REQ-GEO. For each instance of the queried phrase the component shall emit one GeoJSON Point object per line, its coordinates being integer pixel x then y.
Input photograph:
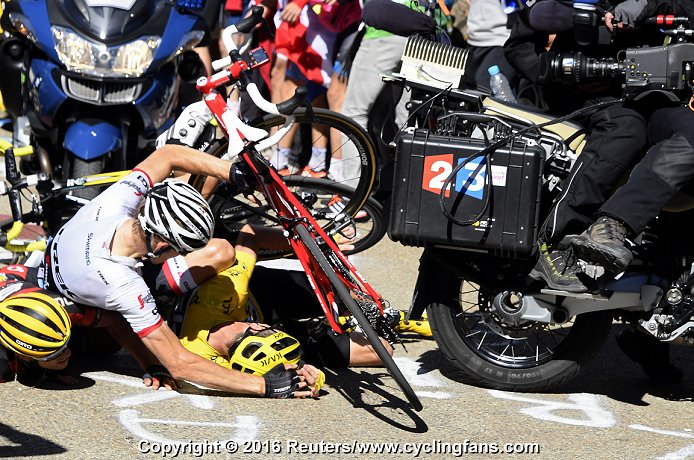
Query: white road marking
{"type": "Point", "coordinates": [685, 452]}
{"type": "Point", "coordinates": [148, 395]}
{"type": "Point", "coordinates": [246, 427]}
{"type": "Point", "coordinates": [411, 370]}
{"type": "Point", "coordinates": [584, 403]}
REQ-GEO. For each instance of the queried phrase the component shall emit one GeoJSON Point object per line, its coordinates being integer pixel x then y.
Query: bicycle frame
{"type": "Point", "coordinates": [288, 208]}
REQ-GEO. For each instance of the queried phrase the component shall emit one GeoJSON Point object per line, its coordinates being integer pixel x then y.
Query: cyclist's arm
{"type": "Point", "coordinates": [162, 162]}
{"type": "Point", "coordinates": [253, 237]}
{"type": "Point", "coordinates": [185, 365]}
{"type": "Point", "coordinates": [182, 364]}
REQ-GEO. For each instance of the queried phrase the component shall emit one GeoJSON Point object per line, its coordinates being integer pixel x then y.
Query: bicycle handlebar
{"type": "Point", "coordinates": [290, 105]}
{"type": "Point", "coordinates": [244, 26]}
{"type": "Point", "coordinates": [248, 23]}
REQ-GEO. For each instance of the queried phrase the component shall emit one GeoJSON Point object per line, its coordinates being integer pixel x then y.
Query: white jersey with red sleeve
{"type": "Point", "coordinates": [82, 268]}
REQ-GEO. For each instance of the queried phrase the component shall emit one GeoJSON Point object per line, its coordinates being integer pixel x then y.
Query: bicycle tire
{"type": "Point", "coordinates": [367, 221]}
{"type": "Point", "coordinates": [343, 294]}
{"type": "Point", "coordinates": [363, 182]}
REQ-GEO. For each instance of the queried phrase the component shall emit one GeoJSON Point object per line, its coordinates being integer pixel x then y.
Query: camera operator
{"type": "Point", "coordinates": [666, 167]}
{"type": "Point", "coordinates": [616, 134]}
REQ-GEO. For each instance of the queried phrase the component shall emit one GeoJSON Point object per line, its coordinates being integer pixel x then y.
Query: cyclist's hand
{"type": "Point", "coordinates": [314, 377]}
{"type": "Point", "coordinates": [292, 382]}
{"type": "Point", "coordinates": [188, 127]}
{"type": "Point", "coordinates": [158, 376]}
{"type": "Point", "coordinates": [241, 179]}
{"type": "Point", "coordinates": [290, 13]}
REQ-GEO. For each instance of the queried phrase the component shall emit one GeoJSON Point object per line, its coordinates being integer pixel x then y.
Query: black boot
{"type": "Point", "coordinates": [603, 244]}
{"type": "Point", "coordinates": [559, 270]}
{"type": "Point", "coordinates": [652, 354]}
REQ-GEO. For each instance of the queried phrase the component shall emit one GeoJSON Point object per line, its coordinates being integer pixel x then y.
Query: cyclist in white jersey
{"type": "Point", "coordinates": [96, 257]}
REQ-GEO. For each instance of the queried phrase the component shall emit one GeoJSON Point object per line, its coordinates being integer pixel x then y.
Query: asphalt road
{"type": "Point", "coordinates": [610, 410]}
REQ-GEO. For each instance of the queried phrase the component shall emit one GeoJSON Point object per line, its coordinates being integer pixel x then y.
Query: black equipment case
{"type": "Point", "coordinates": [509, 225]}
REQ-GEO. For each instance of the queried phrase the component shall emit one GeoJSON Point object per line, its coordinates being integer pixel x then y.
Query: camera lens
{"type": "Point", "coordinates": [573, 68]}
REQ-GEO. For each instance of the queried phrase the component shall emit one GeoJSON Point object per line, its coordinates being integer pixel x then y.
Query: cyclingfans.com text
{"type": "Point", "coordinates": [291, 446]}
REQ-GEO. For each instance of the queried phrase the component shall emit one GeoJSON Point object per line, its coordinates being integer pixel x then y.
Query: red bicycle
{"type": "Point", "coordinates": [338, 285]}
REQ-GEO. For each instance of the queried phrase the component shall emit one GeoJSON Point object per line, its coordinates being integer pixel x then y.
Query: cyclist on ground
{"type": "Point", "coordinates": [221, 311]}
{"type": "Point", "coordinates": [36, 326]}
{"type": "Point", "coordinates": [95, 259]}
{"type": "Point", "coordinates": [34, 334]}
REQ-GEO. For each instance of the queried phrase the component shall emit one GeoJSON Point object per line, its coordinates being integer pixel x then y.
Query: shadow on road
{"type": "Point", "coordinates": [368, 391]}
{"type": "Point", "coordinates": [26, 444]}
{"type": "Point", "coordinates": [610, 373]}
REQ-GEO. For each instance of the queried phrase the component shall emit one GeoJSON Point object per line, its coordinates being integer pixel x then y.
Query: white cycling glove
{"type": "Point", "coordinates": [187, 127]}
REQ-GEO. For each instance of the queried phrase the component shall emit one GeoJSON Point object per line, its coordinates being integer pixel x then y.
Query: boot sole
{"type": "Point", "coordinates": [537, 275]}
{"type": "Point", "coordinates": [594, 254]}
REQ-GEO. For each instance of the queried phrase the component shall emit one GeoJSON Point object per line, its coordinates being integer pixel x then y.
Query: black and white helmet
{"type": "Point", "coordinates": [178, 214]}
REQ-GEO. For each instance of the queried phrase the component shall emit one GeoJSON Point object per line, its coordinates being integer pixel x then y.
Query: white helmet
{"type": "Point", "coordinates": [178, 214]}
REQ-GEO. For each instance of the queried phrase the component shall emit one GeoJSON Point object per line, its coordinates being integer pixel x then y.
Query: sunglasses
{"type": "Point", "coordinates": [55, 354]}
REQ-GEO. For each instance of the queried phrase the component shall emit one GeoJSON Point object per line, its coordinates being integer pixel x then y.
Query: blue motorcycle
{"type": "Point", "coordinates": [92, 83]}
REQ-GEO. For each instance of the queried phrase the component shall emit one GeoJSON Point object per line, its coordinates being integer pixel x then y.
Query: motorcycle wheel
{"type": "Point", "coordinates": [81, 168]}
{"type": "Point", "coordinates": [528, 357]}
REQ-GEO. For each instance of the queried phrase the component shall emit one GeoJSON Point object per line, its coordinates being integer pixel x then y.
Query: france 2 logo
{"type": "Point", "coordinates": [438, 167]}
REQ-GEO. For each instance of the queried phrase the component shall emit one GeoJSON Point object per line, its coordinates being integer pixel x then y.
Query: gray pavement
{"type": "Point", "coordinates": [609, 411]}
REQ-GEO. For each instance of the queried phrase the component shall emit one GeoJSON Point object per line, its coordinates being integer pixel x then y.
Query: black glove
{"type": "Point", "coordinates": [281, 383]}
{"type": "Point", "coordinates": [157, 372]}
{"type": "Point", "coordinates": [241, 179]}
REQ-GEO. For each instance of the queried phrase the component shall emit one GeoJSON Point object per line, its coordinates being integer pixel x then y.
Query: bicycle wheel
{"type": "Point", "coordinates": [327, 201]}
{"type": "Point", "coordinates": [346, 290]}
{"type": "Point", "coordinates": [350, 154]}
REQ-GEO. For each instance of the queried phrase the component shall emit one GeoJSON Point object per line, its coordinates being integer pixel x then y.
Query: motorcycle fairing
{"type": "Point", "coordinates": [156, 105]}
{"type": "Point", "coordinates": [108, 25]}
{"type": "Point", "coordinates": [37, 13]}
{"type": "Point", "coordinates": [171, 38]}
{"type": "Point", "coordinates": [89, 140]}
{"type": "Point", "coordinates": [45, 92]}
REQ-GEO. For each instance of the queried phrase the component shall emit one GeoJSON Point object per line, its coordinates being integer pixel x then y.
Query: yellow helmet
{"type": "Point", "coordinates": [257, 352]}
{"type": "Point", "coordinates": [34, 325]}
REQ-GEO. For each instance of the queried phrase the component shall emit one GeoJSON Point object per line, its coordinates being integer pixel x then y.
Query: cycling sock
{"type": "Point", "coordinates": [317, 161]}
{"type": "Point", "coordinates": [336, 171]}
{"type": "Point", "coordinates": [280, 159]}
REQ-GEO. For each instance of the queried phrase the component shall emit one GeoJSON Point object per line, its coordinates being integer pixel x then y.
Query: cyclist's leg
{"type": "Point", "coordinates": [291, 302]}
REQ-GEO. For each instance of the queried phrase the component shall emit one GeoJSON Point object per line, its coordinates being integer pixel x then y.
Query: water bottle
{"type": "Point", "coordinates": [501, 89]}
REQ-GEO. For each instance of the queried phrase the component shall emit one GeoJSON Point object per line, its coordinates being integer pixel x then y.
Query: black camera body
{"type": "Point", "coordinates": [668, 69]}
{"type": "Point", "coordinates": [660, 68]}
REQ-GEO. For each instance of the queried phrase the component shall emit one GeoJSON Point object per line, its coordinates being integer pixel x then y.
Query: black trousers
{"type": "Point", "coordinates": [667, 167]}
{"type": "Point", "coordinates": [616, 141]}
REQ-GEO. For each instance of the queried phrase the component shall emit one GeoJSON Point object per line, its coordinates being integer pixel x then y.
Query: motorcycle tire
{"type": "Point", "coordinates": [490, 354]}
{"type": "Point", "coordinates": [81, 168]}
